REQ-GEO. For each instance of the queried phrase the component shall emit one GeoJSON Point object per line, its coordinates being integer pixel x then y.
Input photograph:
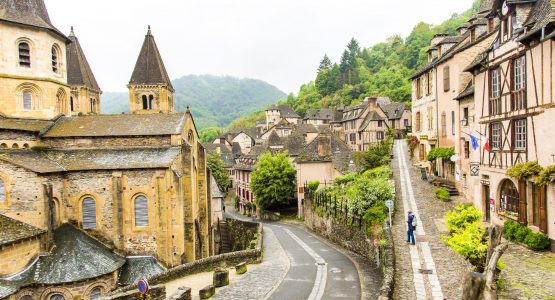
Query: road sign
{"type": "Point", "coordinates": [389, 203]}
{"type": "Point", "coordinates": [142, 285]}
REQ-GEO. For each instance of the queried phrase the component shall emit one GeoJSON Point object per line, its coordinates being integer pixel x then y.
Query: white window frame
{"type": "Point", "coordinates": [496, 135]}
{"type": "Point", "coordinates": [520, 134]}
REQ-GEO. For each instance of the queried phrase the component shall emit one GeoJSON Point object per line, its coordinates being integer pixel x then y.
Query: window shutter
{"type": "Point", "coordinates": [2, 191]}
{"type": "Point", "coordinates": [543, 209]}
{"type": "Point", "coordinates": [522, 202]}
{"type": "Point", "coordinates": [141, 211]}
{"type": "Point", "coordinates": [89, 213]}
{"type": "Point", "coordinates": [446, 85]}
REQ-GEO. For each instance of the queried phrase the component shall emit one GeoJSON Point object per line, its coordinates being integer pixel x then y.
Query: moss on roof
{"type": "Point", "coordinates": [12, 230]}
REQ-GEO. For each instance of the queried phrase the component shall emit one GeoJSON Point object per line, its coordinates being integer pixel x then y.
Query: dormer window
{"type": "Point", "coordinates": [24, 55]}
{"type": "Point", "coordinates": [514, 24]}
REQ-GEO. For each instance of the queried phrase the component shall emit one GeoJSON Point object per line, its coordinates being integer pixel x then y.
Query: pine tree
{"type": "Point", "coordinates": [325, 63]}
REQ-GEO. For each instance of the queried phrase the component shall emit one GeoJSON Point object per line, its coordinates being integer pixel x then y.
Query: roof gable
{"type": "Point", "coordinates": [149, 68]}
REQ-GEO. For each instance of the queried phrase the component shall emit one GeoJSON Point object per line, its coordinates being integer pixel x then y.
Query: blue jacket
{"type": "Point", "coordinates": [409, 221]}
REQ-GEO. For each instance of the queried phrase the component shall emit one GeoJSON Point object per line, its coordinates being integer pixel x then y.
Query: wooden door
{"type": "Point", "coordinates": [522, 202]}
{"type": "Point", "coordinates": [543, 209]}
{"type": "Point", "coordinates": [485, 197]}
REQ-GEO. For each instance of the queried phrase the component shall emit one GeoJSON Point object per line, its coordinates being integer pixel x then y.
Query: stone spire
{"type": "Point", "coordinates": [78, 69]}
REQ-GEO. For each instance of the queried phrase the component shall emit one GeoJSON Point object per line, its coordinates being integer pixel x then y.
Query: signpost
{"type": "Point", "coordinates": [142, 286]}
{"type": "Point", "coordinates": [389, 204]}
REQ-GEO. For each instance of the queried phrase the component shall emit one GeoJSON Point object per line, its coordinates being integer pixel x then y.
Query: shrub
{"type": "Point", "coordinates": [376, 214]}
{"type": "Point", "coordinates": [521, 233]}
{"type": "Point", "coordinates": [440, 153]}
{"type": "Point", "coordinates": [546, 176]}
{"type": "Point", "coordinates": [463, 215]}
{"type": "Point", "coordinates": [524, 170]}
{"type": "Point", "coordinates": [413, 144]}
{"type": "Point", "coordinates": [509, 229]}
{"type": "Point", "coordinates": [536, 241]}
{"type": "Point", "coordinates": [442, 194]}
{"type": "Point", "coordinates": [383, 172]}
{"type": "Point", "coordinates": [469, 242]}
{"type": "Point", "coordinates": [313, 185]}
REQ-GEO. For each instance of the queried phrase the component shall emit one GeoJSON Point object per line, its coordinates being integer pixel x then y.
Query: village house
{"type": "Point", "coordinates": [275, 113]}
{"type": "Point", "coordinates": [320, 116]}
{"type": "Point", "coordinates": [78, 187]}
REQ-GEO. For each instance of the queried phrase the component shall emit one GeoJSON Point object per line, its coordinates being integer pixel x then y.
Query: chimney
{"type": "Point", "coordinates": [372, 101]}
{"type": "Point", "coordinates": [437, 38]}
{"type": "Point", "coordinates": [324, 145]}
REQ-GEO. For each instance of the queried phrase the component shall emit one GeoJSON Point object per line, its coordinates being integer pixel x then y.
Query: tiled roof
{"type": "Point", "coordinates": [305, 128]}
{"type": "Point", "coordinates": [215, 191]}
{"type": "Point", "coordinates": [24, 124]}
{"type": "Point", "coordinates": [118, 125]}
{"type": "Point", "coordinates": [371, 116]}
{"type": "Point", "coordinates": [468, 91]}
{"type": "Point", "coordinates": [423, 69]}
{"type": "Point", "coordinates": [478, 60]}
{"type": "Point", "coordinates": [137, 267]}
{"type": "Point", "coordinates": [75, 257]}
{"type": "Point", "coordinates": [319, 114]}
{"type": "Point", "coordinates": [341, 155]}
{"type": "Point", "coordinates": [13, 230]}
{"type": "Point", "coordinates": [78, 69]}
{"type": "Point", "coordinates": [540, 16]}
{"type": "Point", "coordinates": [486, 6]}
{"type": "Point", "coordinates": [450, 40]}
{"type": "Point", "coordinates": [149, 68]}
{"type": "Point", "coordinates": [287, 112]}
{"type": "Point", "coordinates": [27, 12]}
{"type": "Point", "coordinates": [394, 110]}
{"type": "Point", "coordinates": [54, 161]}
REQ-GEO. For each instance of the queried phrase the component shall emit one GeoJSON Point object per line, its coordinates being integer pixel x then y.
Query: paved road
{"type": "Point", "coordinates": [317, 271]}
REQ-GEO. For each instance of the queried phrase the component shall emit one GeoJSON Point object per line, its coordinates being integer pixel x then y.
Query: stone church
{"type": "Point", "coordinates": [89, 201]}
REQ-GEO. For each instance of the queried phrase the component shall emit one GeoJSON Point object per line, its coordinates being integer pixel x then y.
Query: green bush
{"type": "Point", "coordinates": [546, 176]}
{"type": "Point", "coordinates": [313, 185]}
{"type": "Point", "coordinates": [509, 229]}
{"type": "Point", "coordinates": [524, 170]}
{"type": "Point", "coordinates": [376, 214]}
{"type": "Point", "coordinates": [440, 153]}
{"type": "Point", "coordinates": [383, 172]}
{"type": "Point", "coordinates": [521, 233]}
{"type": "Point", "coordinates": [536, 241]}
{"type": "Point", "coordinates": [442, 194]}
{"type": "Point", "coordinates": [463, 215]}
{"type": "Point", "coordinates": [469, 242]}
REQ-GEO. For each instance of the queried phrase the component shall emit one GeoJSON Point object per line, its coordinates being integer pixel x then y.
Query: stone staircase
{"type": "Point", "coordinates": [448, 185]}
{"type": "Point", "coordinates": [225, 245]}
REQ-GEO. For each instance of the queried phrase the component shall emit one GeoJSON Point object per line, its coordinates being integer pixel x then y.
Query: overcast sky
{"type": "Point", "coordinates": [279, 41]}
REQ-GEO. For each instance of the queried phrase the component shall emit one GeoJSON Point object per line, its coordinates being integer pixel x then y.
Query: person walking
{"type": "Point", "coordinates": [411, 226]}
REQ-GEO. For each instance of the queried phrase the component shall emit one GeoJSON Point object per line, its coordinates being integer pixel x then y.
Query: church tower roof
{"type": "Point", "coordinates": [27, 12]}
{"type": "Point", "coordinates": [78, 69]}
{"type": "Point", "coordinates": [149, 68]}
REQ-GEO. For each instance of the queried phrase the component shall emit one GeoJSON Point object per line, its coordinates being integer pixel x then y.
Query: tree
{"type": "Point", "coordinates": [273, 180]}
{"type": "Point", "coordinates": [208, 135]}
{"type": "Point", "coordinates": [325, 63]}
{"type": "Point", "coordinates": [217, 167]}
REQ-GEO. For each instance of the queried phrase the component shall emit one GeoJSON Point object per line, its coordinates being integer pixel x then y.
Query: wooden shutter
{"type": "Point", "coordinates": [522, 202]}
{"type": "Point", "coordinates": [141, 211]}
{"type": "Point", "coordinates": [446, 81]}
{"type": "Point", "coordinates": [89, 213]}
{"type": "Point", "coordinates": [543, 209]}
{"type": "Point", "coordinates": [2, 191]}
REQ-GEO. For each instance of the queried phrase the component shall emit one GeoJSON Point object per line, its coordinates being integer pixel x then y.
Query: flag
{"type": "Point", "coordinates": [486, 146]}
{"type": "Point", "coordinates": [475, 144]}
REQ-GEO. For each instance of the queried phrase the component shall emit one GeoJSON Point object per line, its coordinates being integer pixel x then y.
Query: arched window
{"type": "Point", "coordinates": [92, 102]}
{"type": "Point", "coordinates": [150, 102]}
{"type": "Point", "coordinates": [71, 107]}
{"type": "Point", "coordinates": [15, 146]}
{"type": "Point", "coordinates": [57, 297]}
{"type": "Point", "coordinates": [89, 213]}
{"type": "Point", "coordinates": [509, 196]}
{"type": "Point", "coordinates": [3, 145]}
{"type": "Point", "coordinates": [24, 54]}
{"type": "Point", "coordinates": [145, 102]}
{"type": "Point", "coordinates": [55, 55]}
{"type": "Point", "coordinates": [27, 100]}
{"type": "Point", "coordinates": [59, 103]}
{"type": "Point", "coordinates": [26, 146]}
{"type": "Point", "coordinates": [26, 297]}
{"type": "Point", "coordinates": [95, 294]}
{"type": "Point", "coordinates": [2, 191]}
{"type": "Point", "coordinates": [141, 211]}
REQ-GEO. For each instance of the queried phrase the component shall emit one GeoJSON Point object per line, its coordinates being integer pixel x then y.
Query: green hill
{"type": "Point", "coordinates": [215, 101]}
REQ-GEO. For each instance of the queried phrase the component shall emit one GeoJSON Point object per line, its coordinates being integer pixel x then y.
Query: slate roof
{"type": "Point", "coordinates": [14, 230]}
{"type": "Point", "coordinates": [225, 153]}
{"type": "Point", "coordinates": [319, 114]}
{"type": "Point", "coordinates": [137, 267]}
{"type": "Point", "coordinates": [541, 15]}
{"type": "Point", "coordinates": [215, 191]}
{"type": "Point", "coordinates": [24, 124]}
{"type": "Point", "coordinates": [306, 128]}
{"type": "Point", "coordinates": [285, 110]}
{"type": "Point", "coordinates": [78, 69]}
{"type": "Point", "coordinates": [54, 161]}
{"type": "Point", "coordinates": [149, 68]}
{"type": "Point", "coordinates": [341, 155]}
{"type": "Point", "coordinates": [450, 40]}
{"type": "Point", "coordinates": [371, 116]}
{"type": "Point", "coordinates": [394, 110]}
{"type": "Point", "coordinates": [478, 60]}
{"type": "Point", "coordinates": [118, 125]}
{"type": "Point", "coordinates": [27, 12]}
{"type": "Point", "coordinates": [75, 257]}
{"type": "Point", "coordinates": [468, 91]}
{"type": "Point", "coordinates": [423, 69]}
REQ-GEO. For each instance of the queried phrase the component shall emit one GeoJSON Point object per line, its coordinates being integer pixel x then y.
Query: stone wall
{"type": "Point", "coordinates": [154, 293]}
{"type": "Point", "coordinates": [17, 255]}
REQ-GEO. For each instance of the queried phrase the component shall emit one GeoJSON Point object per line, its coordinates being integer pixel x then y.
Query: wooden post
{"type": "Point", "coordinates": [474, 284]}
{"type": "Point", "coordinates": [490, 291]}
{"type": "Point", "coordinates": [495, 234]}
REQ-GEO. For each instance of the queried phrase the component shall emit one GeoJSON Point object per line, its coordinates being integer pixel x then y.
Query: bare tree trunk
{"type": "Point", "coordinates": [495, 233]}
{"type": "Point", "coordinates": [490, 292]}
{"type": "Point", "coordinates": [474, 283]}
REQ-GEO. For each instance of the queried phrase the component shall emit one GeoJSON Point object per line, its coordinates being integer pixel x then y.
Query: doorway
{"type": "Point", "coordinates": [485, 201]}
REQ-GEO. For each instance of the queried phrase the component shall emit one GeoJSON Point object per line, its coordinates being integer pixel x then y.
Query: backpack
{"type": "Point", "coordinates": [414, 222]}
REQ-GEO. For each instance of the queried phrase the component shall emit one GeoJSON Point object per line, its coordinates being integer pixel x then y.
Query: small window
{"type": "Point", "coordinates": [57, 297]}
{"type": "Point", "coordinates": [2, 191]}
{"type": "Point", "coordinates": [380, 135]}
{"type": "Point", "coordinates": [496, 135]}
{"type": "Point", "coordinates": [141, 211]}
{"type": "Point", "coordinates": [465, 116]}
{"type": "Point", "coordinates": [24, 55]}
{"type": "Point", "coordinates": [54, 59]}
{"type": "Point", "coordinates": [145, 102]}
{"type": "Point", "coordinates": [520, 134]}
{"type": "Point", "coordinates": [446, 81]}
{"type": "Point", "coordinates": [495, 93]}
{"type": "Point", "coordinates": [95, 294]}
{"type": "Point", "coordinates": [89, 213]}
{"type": "Point", "coordinates": [453, 122]}
{"type": "Point", "coordinates": [443, 124]}
{"type": "Point", "coordinates": [71, 106]}
{"type": "Point", "coordinates": [27, 100]}
{"type": "Point", "coordinates": [418, 88]}
{"type": "Point", "coordinates": [150, 102]}
{"type": "Point", "coordinates": [466, 149]}
{"type": "Point", "coordinates": [417, 123]}
{"type": "Point", "coordinates": [379, 123]}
